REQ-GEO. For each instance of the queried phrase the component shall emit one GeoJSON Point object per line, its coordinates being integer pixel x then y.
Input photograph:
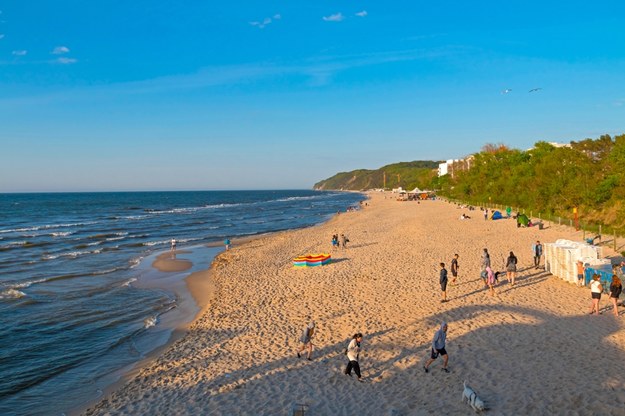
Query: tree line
{"type": "Point", "coordinates": [588, 175]}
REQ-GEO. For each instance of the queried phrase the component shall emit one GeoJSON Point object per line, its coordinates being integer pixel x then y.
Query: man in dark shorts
{"type": "Point", "coordinates": [454, 269]}
{"type": "Point", "coordinates": [438, 348]}
{"type": "Point", "coordinates": [443, 282]}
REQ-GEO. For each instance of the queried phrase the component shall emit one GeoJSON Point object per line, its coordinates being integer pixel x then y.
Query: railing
{"type": "Point", "coordinates": [594, 230]}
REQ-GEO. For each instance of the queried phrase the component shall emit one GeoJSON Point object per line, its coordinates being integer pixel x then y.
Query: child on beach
{"type": "Point", "coordinates": [335, 241]}
{"type": "Point", "coordinates": [353, 352]}
{"type": "Point", "coordinates": [595, 290]}
{"type": "Point", "coordinates": [306, 340]}
{"type": "Point", "coordinates": [490, 278]}
{"type": "Point", "coordinates": [438, 348]}
{"type": "Point", "coordinates": [580, 273]}
{"type": "Point", "coordinates": [443, 282]}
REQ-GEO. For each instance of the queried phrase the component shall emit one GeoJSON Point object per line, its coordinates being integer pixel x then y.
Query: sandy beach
{"type": "Point", "coordinates": [530, 349]}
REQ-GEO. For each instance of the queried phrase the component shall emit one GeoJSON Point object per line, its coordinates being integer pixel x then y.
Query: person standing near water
{"type": "Point", "coordinates": [173, 244]}
{"type": "Point", "coordinates": [227, 243]}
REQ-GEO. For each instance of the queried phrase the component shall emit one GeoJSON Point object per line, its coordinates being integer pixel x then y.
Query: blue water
{"type": "Point", "coordinates": [73, 309]}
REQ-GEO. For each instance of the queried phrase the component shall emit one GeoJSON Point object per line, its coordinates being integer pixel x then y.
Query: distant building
{"type": "Point", "coordinates": [452, 166]}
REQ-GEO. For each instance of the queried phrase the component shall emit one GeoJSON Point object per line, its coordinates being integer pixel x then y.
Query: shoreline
{"type": "Point", "coordinates": [193, 292]}
{"type": "Point", "coordinates": [390, 268]}
{"type": "Point", "coordinates": [200, 287]}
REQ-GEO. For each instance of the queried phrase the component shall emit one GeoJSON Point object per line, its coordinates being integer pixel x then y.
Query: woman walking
{"type": "Point", "coordinates": [353, 351]}
{"type": "Point", "coordinates": [615, 291]}
{"type": "Point", "coordinates": [511, 268]}
{"type": "Point", "coordinates": [595, 290]}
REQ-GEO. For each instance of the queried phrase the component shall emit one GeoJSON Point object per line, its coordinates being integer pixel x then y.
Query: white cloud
{"type": "Point", "coordinates": [334, 17]}
{"type": "Point", "coordinates": [362, 13]}
{"type": "Point", "coordinates": [19, 53]}
{"type": "Point", "coordinates": [64, 60]}
{"type": "Point", "coordinates": [266, 21]}
{"type": "Point", "coordinates": [60, 50]}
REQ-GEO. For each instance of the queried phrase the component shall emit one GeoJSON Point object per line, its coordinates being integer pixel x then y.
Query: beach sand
{"type": "Point", "coordinates": [531, 349]}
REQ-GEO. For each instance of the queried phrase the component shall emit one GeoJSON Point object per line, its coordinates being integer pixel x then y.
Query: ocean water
{"type": "Point", "coordinates": [78, 298]}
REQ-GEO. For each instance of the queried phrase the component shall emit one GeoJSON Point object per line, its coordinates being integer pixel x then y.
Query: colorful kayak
{"type": "Point", "coordinates": [311, 260]}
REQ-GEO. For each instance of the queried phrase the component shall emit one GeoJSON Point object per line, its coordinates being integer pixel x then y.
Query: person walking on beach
{"type": "Point", "coordinates": [227, 244]}
{"type": "Point", "coordinates": [537, 249]}
{"type": "Point", "coordinates": [353, 353]}
{"type": "Point", "coordinates": [443, 282]}
{"type": "Point", "coordinates": [438, 348]}
{"type": "Point", "coordinates": [173, 244]}
{"type": "Point", "coordinates": [615, 291]}
{"type": "Point", "coordinates": [306, 340]}
{"type": "Point", "coordinates": [454, 269]}
{"type": "Point", "coordinates": [484, 265]}
{"type": "Point", "coordinates": [490, 280]}
{"type": "Point", "coordinates": [595, 290]}
{"type": "Point", "coordinates": [344, 241]}
{"type": "Point", "coordinates": [511, 268]}
{"type": "Point", "coordinates": [580, 273]}
{"type": "Point", "coordinates": [485, 214]}
{"type": "Point", "coordinates": [335, 241]}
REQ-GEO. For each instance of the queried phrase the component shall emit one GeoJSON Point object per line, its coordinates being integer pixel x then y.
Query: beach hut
{"type": "Point", "coordinates": [561, 258]}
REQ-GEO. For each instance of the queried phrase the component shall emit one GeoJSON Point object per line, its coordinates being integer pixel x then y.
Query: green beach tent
{"type": "Point", "coordinates": [523, 220]}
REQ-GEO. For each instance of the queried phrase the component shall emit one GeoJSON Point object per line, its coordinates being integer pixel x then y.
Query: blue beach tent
{"type": "Point", "coordinates": [497, 215]}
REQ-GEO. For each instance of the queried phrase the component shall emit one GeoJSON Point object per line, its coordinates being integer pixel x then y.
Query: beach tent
{"type": "Point", "coordinates": [496, 215]}
{"type": "Point", "coordinates": [523, 220]}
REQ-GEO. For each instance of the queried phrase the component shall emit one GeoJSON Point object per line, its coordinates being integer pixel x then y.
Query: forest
{"type": "Point", "coordinates": [588, 175]}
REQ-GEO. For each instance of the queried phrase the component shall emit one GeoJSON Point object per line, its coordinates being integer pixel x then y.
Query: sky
{"type": "Point", "coordinates": [117, 95]}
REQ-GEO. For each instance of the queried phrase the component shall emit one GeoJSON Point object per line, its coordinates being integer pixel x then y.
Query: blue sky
{"type": "Point", "coordinates": [165, 95]}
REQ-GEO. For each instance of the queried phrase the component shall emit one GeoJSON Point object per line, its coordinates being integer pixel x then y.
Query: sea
{"type": "Point", "coordinates": [80, 304]}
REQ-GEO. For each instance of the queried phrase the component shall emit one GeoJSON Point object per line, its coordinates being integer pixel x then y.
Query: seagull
{"type": "Point", "coordinates": [535, 89]}
{"type": "Point", "coordinates": [507, 90]}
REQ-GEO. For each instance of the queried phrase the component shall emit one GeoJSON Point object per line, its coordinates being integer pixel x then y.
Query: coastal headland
{"type": "Point", "coordinates": [529, 349]}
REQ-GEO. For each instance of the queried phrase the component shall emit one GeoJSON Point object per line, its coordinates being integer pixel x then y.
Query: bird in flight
{"type": "Point", "coordinates": [507, 90]}
{"type": "Point", "coordinates": [535, 89]}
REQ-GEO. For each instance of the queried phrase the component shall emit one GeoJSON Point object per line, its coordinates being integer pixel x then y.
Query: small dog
{"type": "Point", "coordinates": [475, 402]}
